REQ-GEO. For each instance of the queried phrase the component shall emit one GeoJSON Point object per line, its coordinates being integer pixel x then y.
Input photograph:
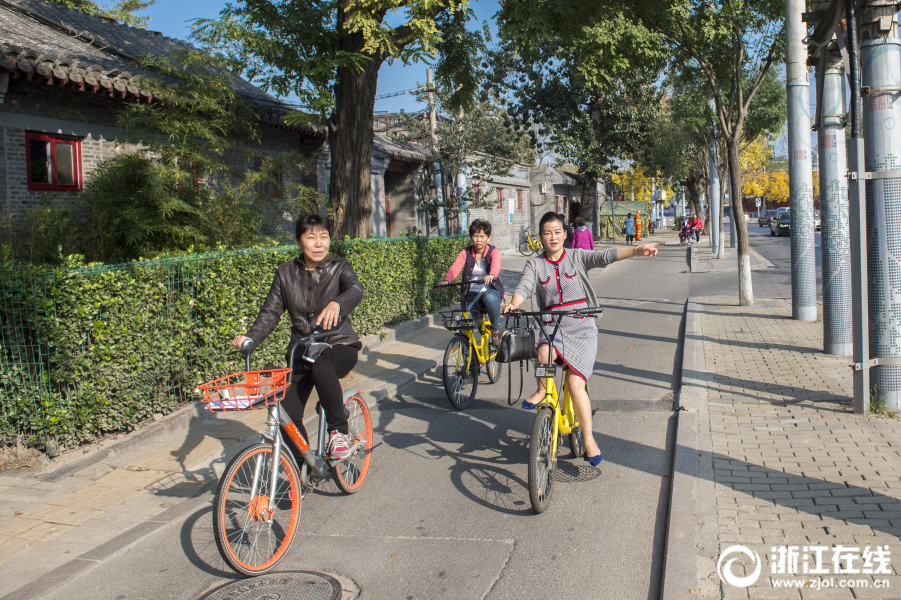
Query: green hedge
{"type": "Point", "coordinates": [605, 230]}
{"type": "Point", "coordinates": [88, 351]}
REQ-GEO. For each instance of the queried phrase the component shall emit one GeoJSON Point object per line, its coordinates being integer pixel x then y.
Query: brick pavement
{"type": "Point", "coordinates": [792, 465]}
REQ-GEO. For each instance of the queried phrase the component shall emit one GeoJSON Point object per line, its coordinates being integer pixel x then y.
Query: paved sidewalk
{"type": "Point", "coordinates": [53, 527]}
{"type": "Point", "coordinates": [771, 455]}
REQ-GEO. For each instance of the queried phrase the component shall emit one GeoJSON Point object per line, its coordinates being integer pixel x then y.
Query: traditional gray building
{"type": "Point", "coordinates": [63, 77]}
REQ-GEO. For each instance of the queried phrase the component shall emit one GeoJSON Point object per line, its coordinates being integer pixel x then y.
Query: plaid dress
{"type": "Point", "coordinates": [576, 341]}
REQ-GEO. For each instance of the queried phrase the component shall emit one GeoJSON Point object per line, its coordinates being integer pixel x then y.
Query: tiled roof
{"type": "Point", "coordinates": [403, 151]}
{"type": "Point", "coordinates": [69, 48]}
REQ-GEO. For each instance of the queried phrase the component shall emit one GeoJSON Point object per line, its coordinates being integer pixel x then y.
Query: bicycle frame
{"type": "Point", "coordinates": [279, 419]}
{"type": "Point", "coordinates": [482, 348]}
{"type": "Point", "coordinates": [564, 417]}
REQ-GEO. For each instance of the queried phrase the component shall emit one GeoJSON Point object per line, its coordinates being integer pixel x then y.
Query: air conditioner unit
{"type": "Point", "coordinates": [542, 188]}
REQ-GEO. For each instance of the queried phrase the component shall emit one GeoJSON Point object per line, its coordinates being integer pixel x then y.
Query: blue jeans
{"type": "Point", "coordinates": [492, 301]}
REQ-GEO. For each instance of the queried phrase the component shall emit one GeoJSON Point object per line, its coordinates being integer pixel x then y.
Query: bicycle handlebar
{"type": "Point", "coordinates": [582, 312]}
{"type": "Point", "coordinates": [249, 345]}
{"type": "Point", "coordinates": [460, 284]}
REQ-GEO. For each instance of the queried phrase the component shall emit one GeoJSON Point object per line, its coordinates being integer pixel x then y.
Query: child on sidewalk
{"type": "Point", "coordinates": [481, 261]}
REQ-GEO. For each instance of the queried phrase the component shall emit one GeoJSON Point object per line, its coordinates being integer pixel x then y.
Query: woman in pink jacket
{"type": "Point", "coordinates": [582, 238]}
{"type": "Point", "coordinates": [481, 261]}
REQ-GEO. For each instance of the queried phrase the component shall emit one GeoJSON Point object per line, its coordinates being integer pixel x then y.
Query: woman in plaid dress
{"type": "Point", "coordinates": [558, 279]}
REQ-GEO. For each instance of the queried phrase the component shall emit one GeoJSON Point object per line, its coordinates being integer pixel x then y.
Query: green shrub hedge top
{"type": "Point", "coordinates": [90, 351]}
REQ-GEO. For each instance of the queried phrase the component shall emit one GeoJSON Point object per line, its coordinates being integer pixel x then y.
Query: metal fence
{"type": "Point", "coordinates": [29, 310]}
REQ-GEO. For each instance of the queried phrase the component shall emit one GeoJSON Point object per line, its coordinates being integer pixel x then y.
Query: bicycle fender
{"type": "Point", "coordinates": [348, 394]}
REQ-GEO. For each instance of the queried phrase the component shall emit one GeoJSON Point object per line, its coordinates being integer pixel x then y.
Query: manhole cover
{"type": "Point", "coordinates": [570, 473]}
{"type": "Point", "coordinates": [288, 585]}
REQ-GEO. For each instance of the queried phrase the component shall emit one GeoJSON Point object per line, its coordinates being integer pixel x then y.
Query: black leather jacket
{"type": "Point", "coordinates": [305, 294]}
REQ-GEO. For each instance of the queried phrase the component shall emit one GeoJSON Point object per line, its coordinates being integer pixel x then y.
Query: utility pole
{"type": "Point", "coordinates": [800, 173]}
{"type": "Point", "coordinates": [835, 245]}
{"type": "Point", "coordinates": [714, 202]}
{"type": "Point", "coordinates": [858, 216]}
{"type": "Point", "coordinates": [433, 124]}
{"type": "Point", "coordinates": [881, 77]}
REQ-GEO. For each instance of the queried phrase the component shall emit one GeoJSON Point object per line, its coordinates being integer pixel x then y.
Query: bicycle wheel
{"type": "Point", "coordinates": [494, 369]}
{"type": "Point", "coordinates": [542, 460]}
{"type": "Point", "coordinates": [577, 442]}
{"type": "Point", "coordinates": [251, 538]}
{"type": "Point", "coordinates": [460, 385]}
{"type": "Point", "coordinates": [525, 248]}
{"type": "Point", "coordinates": [351, 472]}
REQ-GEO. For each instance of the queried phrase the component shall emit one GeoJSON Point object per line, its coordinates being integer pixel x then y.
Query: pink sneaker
{"type": "Point", "coordinates": [338, 445]}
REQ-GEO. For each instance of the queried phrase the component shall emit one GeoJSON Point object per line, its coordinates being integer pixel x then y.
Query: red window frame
{"type": "Point", "coordinates": [265, 189]}
{"type": "Point", "coordinates": [475, 192]}
{"type": "Point", "coordinates": [500, 198]}
{"type": "Point", "coordinates": [54, 139]}
{"type": "Point", "coordinates": [518, 199]}
{"type": "Point", "coordinates": [556, 204]}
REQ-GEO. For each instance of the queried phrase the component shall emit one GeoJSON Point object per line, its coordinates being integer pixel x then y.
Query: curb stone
{"type": "Point", "coordinates": [691, 540]}
{"type": "Point", "coordinates": [728, 264]}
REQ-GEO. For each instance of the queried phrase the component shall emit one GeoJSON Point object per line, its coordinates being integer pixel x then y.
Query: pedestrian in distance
{"type": "Point", "coordinates": [318, 290]}
{"type": "Point", "coordinates": [629, 227]}
{"type": "Point", "coordinates": [582, 238]}
{"type": "Point", "coordinates": [558, 278]}
{"type": "Point", "coordinates": [697, 225]}
{"type": "Point", "coordinates": [481, 260]}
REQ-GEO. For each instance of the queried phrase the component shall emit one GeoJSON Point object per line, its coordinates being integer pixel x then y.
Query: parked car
{"type": "Point", "coordinates": [780, 224]}
{"type": "Point", "coordinates": [816, 223]}
{"type": "Point", "coordinates": [764, 218]}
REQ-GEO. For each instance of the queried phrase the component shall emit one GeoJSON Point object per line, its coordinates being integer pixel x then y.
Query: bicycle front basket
{"type": "Point", "coordinates": [247, 390]}
{"type": "Point", "coordinates": [459, 320]}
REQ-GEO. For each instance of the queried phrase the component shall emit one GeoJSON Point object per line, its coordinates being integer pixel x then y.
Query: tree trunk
{"type": "Point", "coordinates": [691, 184]}
{"type": "Point", "coordinates": [350, 143]}
{"type": "Point", "coordinates": [745, 288]}
{"type": "Point", "coordinates": [589, 197]}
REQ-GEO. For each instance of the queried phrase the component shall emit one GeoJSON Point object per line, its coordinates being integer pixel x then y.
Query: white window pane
{"type": "Point", "coordinates": [65, 164]}
{"type": "Point", "coordinates": [39, 161]}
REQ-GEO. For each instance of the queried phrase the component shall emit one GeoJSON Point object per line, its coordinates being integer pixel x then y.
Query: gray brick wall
{"type": "Point", "coordinates": [93, 112]}
{"type": "Point", "coordinates": [504, 234]}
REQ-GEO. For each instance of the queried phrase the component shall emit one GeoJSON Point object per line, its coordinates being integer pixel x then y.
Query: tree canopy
{"type": "Point", "coordinates": [328, 54]}
{"type": "Point", "coordinates": [123, 10]}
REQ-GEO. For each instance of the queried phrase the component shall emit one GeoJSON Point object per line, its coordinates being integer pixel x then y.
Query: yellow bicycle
{"type": "Point", "coordinates": [554, 419]}
{"type": "Point", "coordinates": [465, 354]}
{"type": "Point", "coordinates": [529, 245]}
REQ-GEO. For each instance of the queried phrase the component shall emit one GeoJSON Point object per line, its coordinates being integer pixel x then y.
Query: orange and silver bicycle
{"type": "Point", "coordinates": [257, 504]}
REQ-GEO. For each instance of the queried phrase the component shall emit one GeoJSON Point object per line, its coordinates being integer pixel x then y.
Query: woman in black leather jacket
{"type": "Point", "coordinates": [316, 289]}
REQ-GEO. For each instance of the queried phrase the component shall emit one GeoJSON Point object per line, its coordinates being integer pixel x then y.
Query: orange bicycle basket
{"type": "Point", "coordinates": [247, 390]}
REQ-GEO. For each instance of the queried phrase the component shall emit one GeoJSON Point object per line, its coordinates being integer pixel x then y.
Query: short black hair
{"type": "Point", "coordinates": [630, 215]}
{"type": "Point", "coordinates": [547, 218]}
{"type": "Point", "coordinates": [483, 225]}
{"type": "Point", "coordinates": [307, 222]}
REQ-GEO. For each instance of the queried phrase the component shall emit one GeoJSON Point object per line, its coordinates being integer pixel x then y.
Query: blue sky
{"type": "Point", "coordinates": [171, 18]}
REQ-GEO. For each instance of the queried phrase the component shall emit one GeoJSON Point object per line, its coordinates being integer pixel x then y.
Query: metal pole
{"type": "Point", "coordinates": [881, 73]}
{"type": "Point", "coordinates": [800, 174]}
{"type": "Point", "coordinates": [461, 195]}
{"type": "Point", "coordinates": [858, 217]}
{"type": "Point", "coordinates": [714, 191]}
{"type": "Point", "coordinates": [433, 125]}
{"type": "Point", "coordinates": [835, 244]}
